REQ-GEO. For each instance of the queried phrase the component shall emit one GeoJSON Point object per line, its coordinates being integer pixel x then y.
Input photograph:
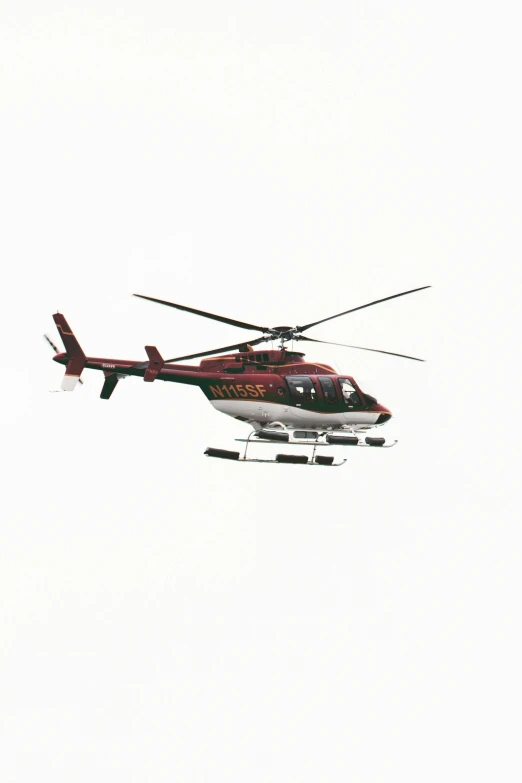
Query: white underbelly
{"type": "Point", "coordinates": [262, 413]}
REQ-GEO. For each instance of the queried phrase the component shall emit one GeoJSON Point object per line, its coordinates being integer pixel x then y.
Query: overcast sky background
{"type": "Point", "coordinates": [169, 617]}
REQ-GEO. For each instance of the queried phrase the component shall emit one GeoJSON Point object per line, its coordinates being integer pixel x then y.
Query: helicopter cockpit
{"type": "Point", "coordinates": [304, 390]}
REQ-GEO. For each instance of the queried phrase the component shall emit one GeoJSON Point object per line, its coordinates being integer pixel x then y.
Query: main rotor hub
{"type": "Point", "coordinates": [284, 332]}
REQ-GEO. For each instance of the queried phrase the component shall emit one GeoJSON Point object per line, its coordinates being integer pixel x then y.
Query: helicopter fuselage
{"type": "Point", "coordinates": [258, 388]}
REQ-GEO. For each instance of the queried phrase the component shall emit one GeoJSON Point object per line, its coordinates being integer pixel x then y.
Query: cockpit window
{"type": "Point", "coordinates": [301, 387]}
{"type": "Point", "coordinates": [350, 396]}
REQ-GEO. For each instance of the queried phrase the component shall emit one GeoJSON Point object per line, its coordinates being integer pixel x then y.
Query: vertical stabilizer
{"type": "Point", "coordinates": [75, 355]}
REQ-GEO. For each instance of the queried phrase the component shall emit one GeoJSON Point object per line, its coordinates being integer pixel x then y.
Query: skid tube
{"type": "Point", "coordinates": [281, 459]}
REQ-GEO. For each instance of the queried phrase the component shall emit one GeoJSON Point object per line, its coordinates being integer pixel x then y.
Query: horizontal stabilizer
{"type": "Point", "coordinates": [155, 365]}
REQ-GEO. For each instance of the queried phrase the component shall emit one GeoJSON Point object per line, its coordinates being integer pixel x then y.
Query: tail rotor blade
{"type": "Point", "coordinates": [53, 346]}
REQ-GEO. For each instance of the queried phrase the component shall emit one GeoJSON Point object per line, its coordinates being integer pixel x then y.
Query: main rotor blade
{"type": "Point", "coordinates": [231, 321]}
{"type": "Point", "coordinates": [359, 348]}
{"type": "Point", "coordinates": [238, 346]}
{"type": "Point", "coordinates": [361, 307]}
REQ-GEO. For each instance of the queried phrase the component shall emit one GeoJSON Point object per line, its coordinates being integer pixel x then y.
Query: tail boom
{"type": "Point", "coordinates": [115, 369]}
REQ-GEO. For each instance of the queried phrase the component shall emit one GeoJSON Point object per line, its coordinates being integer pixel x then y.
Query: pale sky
{"type": "Point", "coordinates": [166, 617]}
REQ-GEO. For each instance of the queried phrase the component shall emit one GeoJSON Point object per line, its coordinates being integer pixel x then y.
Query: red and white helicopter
{"type": "Point", "coordinates": [284, 398]}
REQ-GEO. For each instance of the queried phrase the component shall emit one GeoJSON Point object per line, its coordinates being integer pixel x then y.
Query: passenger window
{"type": "Point", "coordinates": [328, 387]}
{"type": "Point", "coordinates": [350, 396]}
{"type": "Point", "coordinates": [301, 388]}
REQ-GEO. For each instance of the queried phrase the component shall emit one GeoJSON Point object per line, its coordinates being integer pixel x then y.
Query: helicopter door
{"type": "Point", "coordinates": [328, 388]}
{"type": "Point", "coordinates": [303, 394]}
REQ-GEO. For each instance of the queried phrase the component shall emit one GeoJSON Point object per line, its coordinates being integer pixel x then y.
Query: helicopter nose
{"type": "Point", "coordinates": [384, 413]}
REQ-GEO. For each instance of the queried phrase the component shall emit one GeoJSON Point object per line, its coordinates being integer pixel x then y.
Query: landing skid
{"type": "Point", "coordinates": [281, 459]}
{"type": "Point", "coordinates": [314, 439]}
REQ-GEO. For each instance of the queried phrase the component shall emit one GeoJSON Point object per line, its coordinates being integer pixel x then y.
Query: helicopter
{"type": "Point", "coordinates": [284, 398]}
